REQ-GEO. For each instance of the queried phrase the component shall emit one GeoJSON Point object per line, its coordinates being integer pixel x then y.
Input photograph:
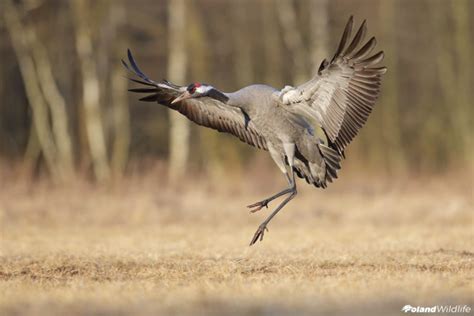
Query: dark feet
{"type": "Point", "coordinates": [258, 206]}
{"type": "Point", "coordinates": [259, 234]}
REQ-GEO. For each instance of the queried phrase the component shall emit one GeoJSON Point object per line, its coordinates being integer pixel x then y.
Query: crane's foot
{"type": "Point", "coordinates": [259, 234]}
{"type": "Point", "coordinates": [258, 206]}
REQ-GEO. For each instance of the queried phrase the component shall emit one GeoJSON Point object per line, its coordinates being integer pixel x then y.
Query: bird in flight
{"type": "Point", "coordinates": [304, 128]}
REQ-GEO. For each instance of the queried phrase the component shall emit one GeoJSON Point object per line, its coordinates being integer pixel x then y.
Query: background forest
{"type": "Point", "coordinates": [65, 108]}
{"type": "Point", "coordinates": [111, 206]}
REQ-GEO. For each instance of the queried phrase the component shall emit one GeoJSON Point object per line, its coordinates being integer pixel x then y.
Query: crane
{"type": "Point", "coordinates": [305, 128]}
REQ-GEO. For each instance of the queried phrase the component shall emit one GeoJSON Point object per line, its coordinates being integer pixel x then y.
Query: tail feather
{"type": "Point", "coordinates": [321, 168]}
{"type": "Point", "coordinates": [331, 163]}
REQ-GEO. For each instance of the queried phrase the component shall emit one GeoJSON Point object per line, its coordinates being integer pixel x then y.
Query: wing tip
{"type": "Point", "coordinates": [345, 36]}
{"type": "Point", "coordinates": [150, 98]}
{"type": "Point", "coordinates": [350, 23]}
{"type": "Point", "coordinates": [357, 39]}
{"type": "Point", "coordinates": [130, 57]}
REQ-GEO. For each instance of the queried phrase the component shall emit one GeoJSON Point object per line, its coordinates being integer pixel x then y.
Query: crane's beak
{"type": "Point", "coordinates": [184, 96]}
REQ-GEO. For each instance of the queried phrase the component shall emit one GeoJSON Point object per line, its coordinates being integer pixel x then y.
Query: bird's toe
{"type": "Point", "coordinates": [258, 206]}
{"type": "Point", "coordinates": [258, 234]}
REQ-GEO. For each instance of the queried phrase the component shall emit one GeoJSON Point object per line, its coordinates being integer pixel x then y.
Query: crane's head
{"type": "Point", "coordinates": [197, 90]}
{"type": "Point", "coordinates": [194, 90]}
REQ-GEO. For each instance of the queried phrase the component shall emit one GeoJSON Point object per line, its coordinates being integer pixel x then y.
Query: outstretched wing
{"type": "Point", "coordinates": [342, 94]}
{"type": "Point", "coordinates": [204, 111]}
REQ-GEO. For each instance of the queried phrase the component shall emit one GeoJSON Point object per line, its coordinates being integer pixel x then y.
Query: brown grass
{"type": "Point", "coordinates": [355, 249]}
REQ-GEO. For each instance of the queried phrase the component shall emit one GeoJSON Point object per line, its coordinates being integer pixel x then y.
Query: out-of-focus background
{"type": "Point", "coordinates": [111, 205]}
{"type": "Point", "coordinates": [65, 107]}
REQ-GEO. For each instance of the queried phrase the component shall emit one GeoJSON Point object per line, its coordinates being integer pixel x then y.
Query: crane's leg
{"type": "Point", "coordinates": [280, 161]}
{"type": "Point", "coordinates": [263, 226]}
{"type": "Point", "coordinates": [289, 151]}
{"type": "Point", "coordinates": [264, 203]}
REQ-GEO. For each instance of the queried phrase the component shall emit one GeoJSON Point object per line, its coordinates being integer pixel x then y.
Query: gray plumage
{"type": "Point", "coordinates": [305, 128]}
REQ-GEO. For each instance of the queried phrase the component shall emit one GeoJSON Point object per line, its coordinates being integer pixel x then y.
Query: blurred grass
{"type": "Point", "coordinates": [358, 248]}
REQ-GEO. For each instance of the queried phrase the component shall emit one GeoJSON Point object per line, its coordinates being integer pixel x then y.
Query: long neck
{"type": "Point", "coordinates": [236, 99]}
{"type": "Point", "coordinates": [251, 98]}
{"type": "Point", "coordinates": [233, 99]}
{"type": "Point", "coordinates": [218, 95]}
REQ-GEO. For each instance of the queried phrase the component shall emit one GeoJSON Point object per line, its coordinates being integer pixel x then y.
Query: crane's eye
{"type": "Point", "coordinates": [192, 88]}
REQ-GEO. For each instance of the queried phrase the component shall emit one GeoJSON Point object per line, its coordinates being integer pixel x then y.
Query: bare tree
{"type": "Point", "coordinates": [32, 151]}
{"type": "Point", "coordinates": [319, 12]}
{"type": "Point", "coordinates": [243, 59]}
{"type": "Point", "coordinates": [391, 133]}
{"type": "Point", "coordinates": [56, 103]}
{"type": "Point", "coordinates": [177, 63]}
{"type": "Point", "coordinates": [62, 59]}
{"type": "Point", "coordinates": [121, 114]}
{"type": "Point", "coordinates": [90, 90]}
{"type": "Point", "coordinates": [293, 39]}
{"type": "Point", "coordinates": [463, 112]}
{"type": "Point", "coordinates": [452, 54]}
{"type": "Point", "coordinates": [19, 37]}
{"type": "Point", "coordinates": [271, 45]}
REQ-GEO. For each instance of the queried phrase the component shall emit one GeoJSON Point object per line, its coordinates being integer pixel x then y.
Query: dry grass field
{"type": "Point", "coordinates": [358, 248]}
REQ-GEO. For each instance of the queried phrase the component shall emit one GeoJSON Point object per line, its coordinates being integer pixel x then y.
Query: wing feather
{"type": "Point", "coordinates": [204, 111]}
{"type": "Point", "coordinates": [364, 50]}
{"type": "Point", "coordinates": [357, 38]}
{"type": "Point", "coordinates": [343, 93]}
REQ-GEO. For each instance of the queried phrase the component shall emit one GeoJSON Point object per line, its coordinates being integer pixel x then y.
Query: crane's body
{"type": "Point", "coordinates": [304, 128]}
{"type": "Point", "coordinates": [282, 130]}
{"type": "Point", "coordinates": [260, 101]}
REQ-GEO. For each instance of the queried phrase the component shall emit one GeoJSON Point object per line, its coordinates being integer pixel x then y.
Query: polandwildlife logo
{"type": "Point", "coordinates": [453, 309]}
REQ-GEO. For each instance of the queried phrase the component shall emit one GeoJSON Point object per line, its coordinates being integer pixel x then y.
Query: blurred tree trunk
{"type": "Point", "coordinates": [121, 117]}
{"type": "Point", "coordinates": [391, 134]}
{"type": "Point", "coordinates": [241, 42]}
{"type": "Point", "coordinates": [56, 103]}
{"type": "Point", "coordinates": [293, 39]}
{"type": "Point", "coordinates": [463, 112]}
{"type": "Point", "coordinates": [32, 152]}
{"type": "Point", "coordinates": [453, 73]}
{"type": "Point", "coordinates": [319, 12]}
{"type": "Point", "coordinates": [19, 38]}
{"type": "Point", "coordinates": [271, 44]}
{"type": "Point", "coordinates": [199, 68]}
{"type": "Point", "coordinates": [177, 63]}
{"type": "Point", "coordinates": [121, 114]}
{"type": "Point", "coordinates": [90, 90]}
